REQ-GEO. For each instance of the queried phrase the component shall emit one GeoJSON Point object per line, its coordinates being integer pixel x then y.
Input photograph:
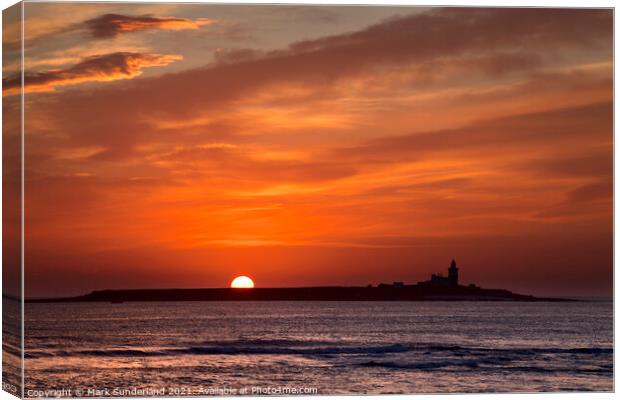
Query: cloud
{"type": "Point", "coordinates": [593, 191]}
{"type": "Point", "coordinates": [472, 36]}
{"type": "Point", "coordinates": [110, 25]}
{"type": "Point", "coordinates": [108, 67]}
{"type": "Point", "coordinates": [596, 162]}
{"type": "Point", "coordinates": [591, 199]}
{"type": "Point", "coordinates": [533, 130]}
{"type": "Point", "coordinates": [472, 40]}
{"type": "Point", "coordinates": [452, 31]}
{"type": "Point", "coordinates": [503, 129]}
{"type": "Point", "coordinates": [231, 162]}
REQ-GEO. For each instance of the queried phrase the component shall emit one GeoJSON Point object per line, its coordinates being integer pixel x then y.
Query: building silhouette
{"type": "Point", "coordinates": [452, 280]}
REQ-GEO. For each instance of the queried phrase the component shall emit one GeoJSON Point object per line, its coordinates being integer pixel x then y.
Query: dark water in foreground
{"type": "Point", "coordinates": [199, 348]}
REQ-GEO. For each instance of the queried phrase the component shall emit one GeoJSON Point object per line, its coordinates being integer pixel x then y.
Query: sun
{"type": "Point", "coordinates": [242, 282]}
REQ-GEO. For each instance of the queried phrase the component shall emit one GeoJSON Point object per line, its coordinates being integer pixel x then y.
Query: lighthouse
{"type": "Point", "coordinates": [452, 280]}
{"type": "Point", "coordinates": [453, 274]}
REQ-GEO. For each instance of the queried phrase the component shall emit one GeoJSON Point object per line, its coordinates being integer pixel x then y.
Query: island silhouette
{"type": "Point", "coordinates": [438, 288]}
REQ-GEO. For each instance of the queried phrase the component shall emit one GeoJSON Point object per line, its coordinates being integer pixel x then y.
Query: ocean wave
{"type": "Point", "coordinates": [482, 366]}
{"type": "Point", "coordinates": [222, 350]}
{"type": "Point", "coordinates": [315, 348]}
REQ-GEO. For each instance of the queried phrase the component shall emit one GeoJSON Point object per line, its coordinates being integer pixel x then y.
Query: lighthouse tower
{"type": "Point", "coordinates": [453, 274]}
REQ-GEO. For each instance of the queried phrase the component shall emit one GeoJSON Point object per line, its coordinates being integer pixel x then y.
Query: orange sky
{"type": "Point", "coordinates": [182, 145]}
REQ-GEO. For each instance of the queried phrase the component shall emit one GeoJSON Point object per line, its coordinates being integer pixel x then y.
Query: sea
{"type": "Point", "coordinates": [280, 348]}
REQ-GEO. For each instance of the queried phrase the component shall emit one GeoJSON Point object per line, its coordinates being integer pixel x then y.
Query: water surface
{"type": "Point", "coordinates": [197, 348]}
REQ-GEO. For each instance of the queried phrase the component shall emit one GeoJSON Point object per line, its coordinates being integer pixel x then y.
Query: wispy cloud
{"type": "Point", "coordinates": [108, 67]}
{"type": "Point", "coordinates": [110, 25]}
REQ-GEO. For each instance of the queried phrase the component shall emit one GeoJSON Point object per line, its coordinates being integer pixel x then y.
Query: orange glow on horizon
{"type": "Point", "coordinates": [342, 153]}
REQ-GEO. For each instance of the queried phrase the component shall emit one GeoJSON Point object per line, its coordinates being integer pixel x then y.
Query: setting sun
{"type": "Point", "coordinates": [242, 282]}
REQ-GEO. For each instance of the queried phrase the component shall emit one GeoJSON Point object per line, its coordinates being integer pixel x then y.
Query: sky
{"type": "Point", "coordinates": [172, 145]}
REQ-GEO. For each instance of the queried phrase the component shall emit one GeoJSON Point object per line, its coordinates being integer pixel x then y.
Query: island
{"type": "Point", "coordinates": [438, 288]}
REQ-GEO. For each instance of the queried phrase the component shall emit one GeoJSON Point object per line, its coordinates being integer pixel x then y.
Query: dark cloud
{"type": "Point", "coordinates": [490, 38]}
{"type": "Point", "coordinates": [451, 31]}
{"type": "Point", "coordinates": [106, 67]}
{"type": "Point", "coordinates": [110, 25]}
{"type": "Point", "coordinates": [593, 191]}
{"type": "Point", "coordinates": [467, 33]}
{"type": "Point", "coordinates": [493, 39]}
{"type": "Point", "coordinates": [599, 162]}
{"type": "Point", "coordinates": [592, 199]}
{"type": "Point", "coordinates": [540, 129]}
